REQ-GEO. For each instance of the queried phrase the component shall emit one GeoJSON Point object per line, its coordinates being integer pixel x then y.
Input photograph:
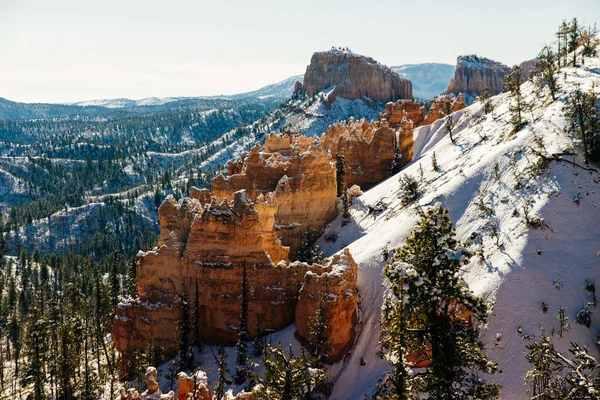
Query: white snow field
{"type": "Point", "coordinates": [487, 182]}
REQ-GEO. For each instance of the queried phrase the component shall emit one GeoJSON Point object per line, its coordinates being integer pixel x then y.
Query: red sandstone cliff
{"type": "Point", "coordinates": [301, 176]}
{"type": "Point", "coordinates": [474, 74]}
{"type": "Point", "coordinates": [353, 77]}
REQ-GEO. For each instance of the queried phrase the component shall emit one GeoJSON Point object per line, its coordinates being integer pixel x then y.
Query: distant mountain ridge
{"type": "Point", "coordinates": [428, 80]}
{"type": "Point", "coordinates": [282, 90]}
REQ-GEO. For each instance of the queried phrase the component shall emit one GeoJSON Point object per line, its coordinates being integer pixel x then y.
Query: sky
{"type": "Point", "coordinates": [74, 50]}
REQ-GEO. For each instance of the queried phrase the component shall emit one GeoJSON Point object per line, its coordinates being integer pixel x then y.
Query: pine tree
{"type": "Point", "coordinates": [582, 110]}
{"type": "Point", "coordinates": [563, 321]}
{"type": "Point", "coordinates": [517, 106]}
{"type": "Point", "coordinates": [220, 387]}
{"type": "Point", "coordinates": [449, 122]}
{"type": "Point", "coordinates": [543, 378]}
{"type": "Point", "coordinates": [434, 164]}
{"type": "Point", "coordinates": [114, 277]}
{"type": "Point", "coordinates": [397, 161]}
{"type": "Point", "coordinates": [342, 192]}
{"type": "Point", "coordinates": [573, 36]}
{"type": "Point", "coordinates": [548, 70]}
{"type": "Point", "coordinates": [340, 167]}
{"type": "Point", "coordinates": [131, 280]}
{"type": "Point", "coordinates": [184, 329]}
{"type": "Point", "coordinates": [409, 189]}
{"type": "Point", "coordinates": [36, 344]}
{"type": "Point", "coordinates": [424, 278]}
{"type": "Point", "coordinates": [241, 347]}
{"type": "Point", "coordinates": [287, 376]}
{"type": "Point", "coordinates": [318, 344]}
{"type": "Point", "coordinates": [561, 35]}
{"type": "Point", "coordinates": [486, 100]}
{"type": "Point", "coordinates": [196, 319]}
{"type": "Point", "coordinates": [259, 343]}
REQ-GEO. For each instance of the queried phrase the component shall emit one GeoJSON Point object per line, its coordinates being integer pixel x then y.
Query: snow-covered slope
{"type": "Point", "coordinates": [489, 183]}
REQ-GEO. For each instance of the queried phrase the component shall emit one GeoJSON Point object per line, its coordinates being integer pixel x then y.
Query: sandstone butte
{"type": "Point", "coordinates": [352, 76]}
{"type": "Point", "coordinates": [474, 74]}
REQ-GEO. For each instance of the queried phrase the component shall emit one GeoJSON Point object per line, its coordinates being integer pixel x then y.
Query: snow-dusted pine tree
{"type": "Point", "coordinates": [287, 376]}
{"type": "Point", "coordinates": [434, 313]}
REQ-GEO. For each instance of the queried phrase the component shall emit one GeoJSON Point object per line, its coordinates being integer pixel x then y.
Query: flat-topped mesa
{"type": "Point", "coordinates": [197, 271]}
{"type": "Point", "coordinates": [301, 176]}
{"type": "Point", "coordinates": [352, 76]}
{"type": "Point", "coordinates": [474, 74]}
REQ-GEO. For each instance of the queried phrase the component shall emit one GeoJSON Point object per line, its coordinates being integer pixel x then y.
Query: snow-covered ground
{"type": "Point", "coordinates": [487, 183]}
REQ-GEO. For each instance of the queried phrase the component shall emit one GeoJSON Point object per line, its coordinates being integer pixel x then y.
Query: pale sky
{"type": "Point", "coordinates": [73, 50]}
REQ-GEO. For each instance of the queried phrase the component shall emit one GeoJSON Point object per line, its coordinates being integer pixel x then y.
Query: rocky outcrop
{"type": "Point", "coordinates": [352, 76]}
{"type": "Point", "coordinates": [368, 149]}
{"type": "Point", "coordinates": [443, 105]}
{"type": "Point", "coordinates": [195, 275]}
{"type": "Point", "coordinates": [333, 290]}
{"type": "Point", "coordinates": [301, 176]}
{"type": "Point", "coordinates": [410, 109]}
{"type": "Point", "coordinates": [190, 387]}
{"type": "Point", "coordinates": [474, 74]}
{"type": "Point", "coordinates": [193, 387]}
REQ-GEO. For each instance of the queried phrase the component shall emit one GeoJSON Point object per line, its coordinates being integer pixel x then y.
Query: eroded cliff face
{"type": "Point", "coordinates": [302, 178]}
{"type": "Point", "coordinates": [335, 285]}
{"type": "Point", "coordinates": [474, 74]}
{"type": "Point", "coordinates": [197, 270]}
{"type": "Point", "coordinates": [353, 76]}
{"type": "Point", "coordinates": [367, 147]}
{"type": "Point", "coordinates": [443, 105]}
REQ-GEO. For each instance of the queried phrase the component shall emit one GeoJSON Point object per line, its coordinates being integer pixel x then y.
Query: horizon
{"type": "Point", "coordinates": [68, 52]}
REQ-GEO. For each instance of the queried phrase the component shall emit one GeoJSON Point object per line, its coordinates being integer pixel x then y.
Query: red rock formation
{"type": "Point", "coordinates": [353, 77]}
{"type": "Point", "coordinates": [301, 176]}
{"type": "Point", "coordinates": [200, 260]}
{"type": "Point", "coordinates": [442, 106]}
{"type": "Point", "coordinates": [474, 74]}
{"type": "Point", "coordinates": [193, 387]}
{"type": "Point", "coordinates": [336, 285]}
{"type": "Point", "coordinates": [368, 149]}
{"type": "Point", "coordinates": [405, 108]}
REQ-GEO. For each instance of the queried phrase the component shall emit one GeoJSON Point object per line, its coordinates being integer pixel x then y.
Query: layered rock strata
{"type": "Point", "coordinates": [334, 288]}
{"type": "Point", "coordinates": [195, 275]}
{"type": "Point", "coordinates": [352, 76]}
{"type": "Point", "coordinates": [443, 105]}
{"type": "Point", "coordinates": [474, 74]}
{"type": "Point", "coordinates": [302, 178]}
